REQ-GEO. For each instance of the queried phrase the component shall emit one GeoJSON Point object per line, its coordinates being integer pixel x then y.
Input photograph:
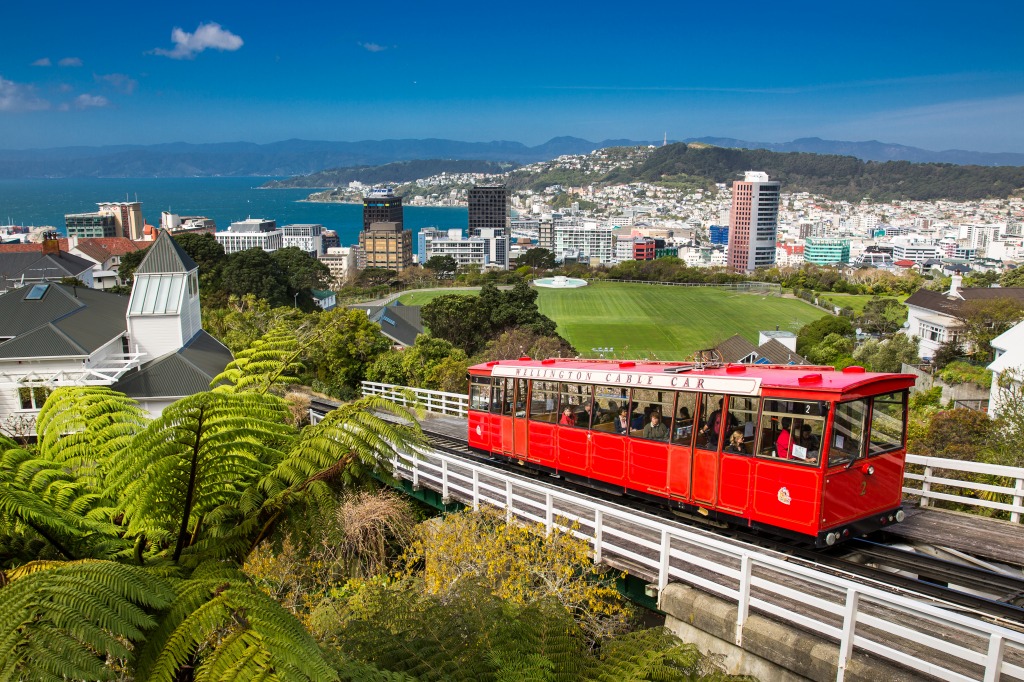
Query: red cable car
{"type": "Point", "coordinates": [809, 452]}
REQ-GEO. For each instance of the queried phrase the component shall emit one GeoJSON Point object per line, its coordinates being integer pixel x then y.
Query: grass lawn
{"type": "Point", "coordinates": [665, 322]}
{"type": "Point", "coordinates": [856, 301]}
{"type": "Point", "coordinates": [425, 297]}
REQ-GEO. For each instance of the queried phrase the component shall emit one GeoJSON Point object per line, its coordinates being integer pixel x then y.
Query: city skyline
{"type": "Point", "coordinates": [934, 76]}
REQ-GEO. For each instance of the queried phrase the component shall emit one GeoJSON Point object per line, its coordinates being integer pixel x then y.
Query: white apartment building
{"type": "Point", "coordinates": [187, 224]}
{"type": "Point", "coordinates": [589, 239]}
{"type": "Point", "coordinates": [623, 247]}
{"type": "Point", "coordinates": [306, 237]}
{"type": "Point", "coordinates": [916, 250]}
{"type": "Point", "coordinates": [465, 250]}
{"type": "Point", "coordinates": [341, 261]}
{"type": "Point", "coordinates": [252, 233]}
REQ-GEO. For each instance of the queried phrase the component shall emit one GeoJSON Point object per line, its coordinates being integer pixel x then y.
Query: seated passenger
{"type": "Point", "coordinates": [807, 438]}
{"type": "Point", "coordinates": [656, 430]}
{"type": "Point", "coordinates": [585, 417]}
{"type": "Point", "coordinates": [568, 418]}
{"type": "Point", "coordinates": [735, 445]}
{"type": "Point", "coordinates": [622, 421]}
{"type": "Point", "coordinates": [784, 443]}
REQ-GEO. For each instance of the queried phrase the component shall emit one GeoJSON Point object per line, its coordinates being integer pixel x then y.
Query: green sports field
{"type": "Point", "coordinates": [665, 322]}
{"type": "Point", "coordinates": [855, 301]}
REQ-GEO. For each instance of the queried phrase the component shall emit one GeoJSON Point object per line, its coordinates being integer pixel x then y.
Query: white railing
{"type": "Point", "coordinates": [941, 643]}
{"type": "Point", "coordinates": [437, 402]}
{"type": "Point", "coordinates": [1012, 489]}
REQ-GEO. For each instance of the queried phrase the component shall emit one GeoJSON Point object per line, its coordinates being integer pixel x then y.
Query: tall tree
{"type": "Point", "coordinates": [985, 319]}
{"type": "Point", "coordinates": [460, 320]}
{"type": "Point", "coordinates": [255, 272]}
{"type": "Point", "coordinates": [443, 267]}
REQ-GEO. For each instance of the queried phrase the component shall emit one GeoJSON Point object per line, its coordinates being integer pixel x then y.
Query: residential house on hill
{"type": "Point", "coordinates": [40, 263]}
{"type": "Point", "coordinates": [934, 316]}
{"type": "Point", "coordinates": [400, 323]}
{"type": "Point", "coordinates": [149, 345]}
{"type": "Point", "coordinates": [1009, 357]}
{"type": "Point", "coordinates": [103, 255]}
{"type": "Point", "coordinates": [772, 351]}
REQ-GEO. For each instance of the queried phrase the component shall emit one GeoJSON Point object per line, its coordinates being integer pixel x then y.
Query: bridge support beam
{"type": "Point", "coordinates": [770, 651]}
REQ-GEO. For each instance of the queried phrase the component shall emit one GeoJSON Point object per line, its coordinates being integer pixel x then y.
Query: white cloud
{"type": "Point", "coordinates": [207, 36]}
{"type": "Point", "coordinates": [373, 47]}
{"type": "Point", "coordinates": [19, 97]}
{"type": "Point", "coordinates": [70, 61]}
{"type": "Point", "coordinates": [45, 61]}
{"type": "Point", "coordinates": [119, 81]}
{"type": "Point", "coordinates": [85, 101]}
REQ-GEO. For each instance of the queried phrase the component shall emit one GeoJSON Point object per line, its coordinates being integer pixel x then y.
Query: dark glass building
{"type": "Point", "coordinates": [381, 206]}
{"type": "Point", "coordinates": [489, 208]}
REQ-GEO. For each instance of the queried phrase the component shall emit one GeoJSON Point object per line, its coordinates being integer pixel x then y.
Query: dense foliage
{"type": "Point", "coordinates": [839, 177]}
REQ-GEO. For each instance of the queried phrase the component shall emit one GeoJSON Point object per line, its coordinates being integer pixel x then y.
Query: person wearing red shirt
{"type": "Point", "coordinates": [568, 418]}
{"type": "Point", "coordinates": [784, 443]}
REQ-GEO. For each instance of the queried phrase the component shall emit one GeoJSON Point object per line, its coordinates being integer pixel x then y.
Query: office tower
{"type": "Point", "coordinates": [488, 209]}
{"type": "Point", "coordinates": [127, 216]}
{"type": "Point", "coordinates": [251, 233]}
{"type": "Point", "coordinates": [386, 245]}
{"type": "Point", "coordinates": [90, 225]}
{"type": "Point", "coordinates": [753, 222]}
{"type": "Point", "coordinates": [381, 206]}
{"type": "Point", "coordinates": [306, 237]}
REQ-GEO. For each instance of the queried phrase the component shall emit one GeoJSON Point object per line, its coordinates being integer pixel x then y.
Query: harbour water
{"type": "Point", "coordinates": [45, 201]}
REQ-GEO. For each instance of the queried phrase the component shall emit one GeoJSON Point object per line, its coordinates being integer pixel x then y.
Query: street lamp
{"type": "Point", "coordinates": [295, 302]}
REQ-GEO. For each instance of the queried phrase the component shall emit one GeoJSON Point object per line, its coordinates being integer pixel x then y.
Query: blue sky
{"type": "Point", "coordinates": [935, 75]}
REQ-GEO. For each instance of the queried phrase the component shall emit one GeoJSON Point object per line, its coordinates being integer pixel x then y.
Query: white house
{"type": "Point", "coordinates": [150, 346]}
{"type": "Point", "coordinates": [1009, 356]}
{"type": "Point", "coordinates": [933, 316]}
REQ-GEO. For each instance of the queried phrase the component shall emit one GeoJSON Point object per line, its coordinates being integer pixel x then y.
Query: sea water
{"type": "Point", "coordinates": [45, 201]}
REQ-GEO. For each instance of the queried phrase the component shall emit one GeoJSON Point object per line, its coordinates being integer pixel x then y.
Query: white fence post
{"type": "Point", "coordinates": [549, 513]}
{"type": "Point", "coordinates": [508, 500]}
{"type": "Point", "coordinates": [1018, 499]}
{"type": "Point", "coordinates": [926, 486]}
{"type": "Point", "coordinates": [666, 557]}
{"type": "Point", "coordinates": [849, 632]}
{"type": "Point", "coordinates": [994, 660]}
{"type": "Point", "coordinates": [444, 481]}
{"type": "Point", "coordinates": [743, 608]}
{"type": "Point", "coordinates": [598, 533]}
{"type": "Point", "coordinates": [476, 490]}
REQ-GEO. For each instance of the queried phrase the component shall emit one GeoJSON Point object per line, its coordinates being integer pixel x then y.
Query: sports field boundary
{"type": "Point", "coordinates": [771, 288]}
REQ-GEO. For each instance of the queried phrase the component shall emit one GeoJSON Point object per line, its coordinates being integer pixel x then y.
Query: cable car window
{"type": "Point", "coordinates": [682, 428]}
{"type": "Point", "coordinates": [740, 438]}
{"type": "Point", "coordinates": [521, 386]}
{"type": "Point", "coordinates": [792, 430]}
{"type": "Point", "coordinates": [608, 402]}
{"type": "Point", "coordinates": [508, 403]}
{"type": "Point", "coordinates": [716, 421]}
{"type": "Point", "coordinates": [848, 428]}
{"type": "Point", "coordinates": [888, 416]}
{"type": "Point", "coordinates": [652, 414]}
{"type": "Point", "coordinates": [575, 406]}
{"type": "Point", "coordinates": [544, 402]}
{"type": "Point", "coordinates": [497, 395]}
{"type": "Point", "coordinates": [480, 393]}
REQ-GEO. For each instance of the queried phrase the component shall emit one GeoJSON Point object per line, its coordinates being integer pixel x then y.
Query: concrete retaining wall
{"type": "Point", "coordinates": [770, 651]}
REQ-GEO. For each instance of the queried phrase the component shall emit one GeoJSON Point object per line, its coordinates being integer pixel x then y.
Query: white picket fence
{"type": "Point", "coordinates": [950, 471]}
{"type": "Point", "coordinates": [941, 643]}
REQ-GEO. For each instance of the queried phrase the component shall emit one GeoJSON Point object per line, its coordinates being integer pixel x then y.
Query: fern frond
{"type": "Point", "coordinates": [69, 620]}
{"type": "Point", "coordinates": [267, 362]}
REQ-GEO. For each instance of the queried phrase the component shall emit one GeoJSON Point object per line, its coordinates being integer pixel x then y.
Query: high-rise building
{"type": "Point", "coordinates": [306, 237]}
{"type": "Point", "coordinates": [753, 222]}
{"type": "Point", "coordinates": [381, 205]}
{"type": "Point", "coordinates": [489, 209]}
{"type": "Point", "coordinates": [90, 225]}
{"type": "Point", "coordinates": [128, 217]}
{"type": "Point", "coordinates": [386, 245]}
{"type": "Point", "coordinates": [826, 251]}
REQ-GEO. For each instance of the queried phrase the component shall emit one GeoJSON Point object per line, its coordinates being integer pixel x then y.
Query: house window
{"type": "Point", "coordinates": [32, 397]}
{"type": "Point", "coordinates": [931, 332]}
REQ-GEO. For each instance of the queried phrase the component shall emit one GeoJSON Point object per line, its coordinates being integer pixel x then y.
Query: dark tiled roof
{"type": "Point", "coordinates": [35, 265]}
{"type": "Point", "coordinates": [776, 353]}
{"type": "Point", "coordinates": [401, 324]}
{"type": "Point", "coordinates": [65, 321]}
{"type": "Point", "coordinates": [938, 302]}
{"type": "Point", "coordinates": [735, 349]}
{"type": "Point", "coordinates": [184, 372]}
{"type": "Point", "coordinates": [165, 256]}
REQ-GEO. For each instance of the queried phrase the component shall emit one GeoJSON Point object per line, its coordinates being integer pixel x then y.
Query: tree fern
{"type": "Point", "coordinates": [202, 452]}
{"type": "Point", "coordinates": [269, 361]}
{"type": "Point", "coordinates": [73, 619]}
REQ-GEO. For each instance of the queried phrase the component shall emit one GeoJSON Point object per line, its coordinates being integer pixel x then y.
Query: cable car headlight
{"type": "Point", "coordinates": [830, 539]}
{"type": "Point", "coordinates": [900, 515]}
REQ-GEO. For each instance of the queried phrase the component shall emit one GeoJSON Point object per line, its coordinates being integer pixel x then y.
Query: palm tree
{"type": "Point", "coordinates": [121, 539]}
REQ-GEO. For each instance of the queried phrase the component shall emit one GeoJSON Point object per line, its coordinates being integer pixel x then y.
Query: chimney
{"type": "Point", "coordinates": [51, 244]}
{"type": "Point", "coordinates": [954, 287]}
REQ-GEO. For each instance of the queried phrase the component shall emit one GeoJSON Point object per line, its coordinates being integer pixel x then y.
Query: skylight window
{"type": "Point", "coordinates": [37, 292]}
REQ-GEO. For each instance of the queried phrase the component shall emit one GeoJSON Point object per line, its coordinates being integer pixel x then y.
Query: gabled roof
{"type": "Point", "coordinates": [401, 324]}
{"type": "Point", "coordinates": [165, 256]}
{"type": "Point", "coordinates": [938, 302]}
{"type": "Point", "coordinates": [102, 248]}
{"type": "Point", "coordinates": [777, 353]}
{"type": "Point", "coordinates": [36, 265]}
{"type": "Point", "coordinates": [736, 349]}
{"type": "Point", "coordinates": [183, 372]}
{"type": "Point", "coordinates": [65, 321]}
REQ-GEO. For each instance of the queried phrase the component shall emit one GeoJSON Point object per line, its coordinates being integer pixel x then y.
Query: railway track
{"type": "Point", "coordinates": [995, 597]}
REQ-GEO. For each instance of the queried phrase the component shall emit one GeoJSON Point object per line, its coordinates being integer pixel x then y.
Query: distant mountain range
{"type": "Point", "coordinates": [298, 157]}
